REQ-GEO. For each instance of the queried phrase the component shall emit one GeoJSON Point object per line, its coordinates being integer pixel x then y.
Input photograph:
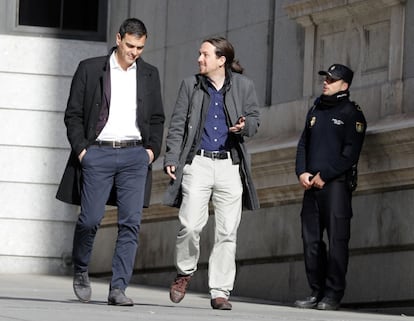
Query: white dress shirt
{"type": "Point", "coordinates": [122, 122]}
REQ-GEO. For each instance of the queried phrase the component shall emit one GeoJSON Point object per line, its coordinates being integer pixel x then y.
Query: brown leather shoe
{"type": "Point", "coordinates": [178, 287]}
{"type": "Point", "coordinates": [220, 304]}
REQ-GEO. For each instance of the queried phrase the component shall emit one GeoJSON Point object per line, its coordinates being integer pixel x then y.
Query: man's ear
{"type": "Point", "coordinates": [222, 61]}
{"type": "Point", "coordinates": [118, 39]}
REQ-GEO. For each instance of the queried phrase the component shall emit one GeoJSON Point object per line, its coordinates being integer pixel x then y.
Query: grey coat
{"type": "Point", "coordinates": [240, 100]}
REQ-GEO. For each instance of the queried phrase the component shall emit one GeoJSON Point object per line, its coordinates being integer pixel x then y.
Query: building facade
{"type": "Point", "coordinates": [281, 44]}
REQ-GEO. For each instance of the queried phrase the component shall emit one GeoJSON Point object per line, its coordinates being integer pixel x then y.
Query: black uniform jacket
{"type": "Point", "coordinates": [90, 90]}
{"type": "Point", "coordinates": [332, 139]}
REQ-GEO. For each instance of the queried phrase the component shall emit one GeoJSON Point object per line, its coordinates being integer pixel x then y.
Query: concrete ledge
{"type": "Point", "coordinates": [387, 163]}
{"type": "Point", "coordinates": [269, 249]}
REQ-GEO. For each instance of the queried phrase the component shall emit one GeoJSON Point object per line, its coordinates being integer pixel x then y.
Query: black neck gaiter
{"type": "Point", "coordinates": [329, 101]}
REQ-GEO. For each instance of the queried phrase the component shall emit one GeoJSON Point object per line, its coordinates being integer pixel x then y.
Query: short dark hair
{"type": "Point", "coordinates": [225, 48]}
{"type": "Point", "coordinates": [133, 26]}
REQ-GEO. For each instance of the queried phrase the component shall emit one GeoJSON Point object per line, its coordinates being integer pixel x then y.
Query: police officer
{"type": "Point", "coordinates": [327, 153]}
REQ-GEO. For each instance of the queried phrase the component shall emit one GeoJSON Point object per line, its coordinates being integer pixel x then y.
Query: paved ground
{"type": "Point", "coordinates": [50, 298]}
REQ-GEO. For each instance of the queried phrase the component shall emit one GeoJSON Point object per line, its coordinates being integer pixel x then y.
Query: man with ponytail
{"type": "Point", "coordinates": [206, 160]}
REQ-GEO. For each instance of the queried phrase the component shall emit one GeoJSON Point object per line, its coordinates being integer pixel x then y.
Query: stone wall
{"type": "Point", "coordinates": [294, 41]}
{"type": "Point", "coordinates": [282, 44]}
{"type": "Point", "coordinates": [35, 74]}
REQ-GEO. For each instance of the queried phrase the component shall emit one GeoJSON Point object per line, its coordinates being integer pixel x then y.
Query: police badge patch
{"type": "Point", "coordinates": [359, 127]}
{"type": "Point", "coordinates": [312, 121]}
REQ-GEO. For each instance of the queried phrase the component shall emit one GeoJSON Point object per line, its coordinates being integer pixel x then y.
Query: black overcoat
{"type": "Point", "coordinates": [90, 90]}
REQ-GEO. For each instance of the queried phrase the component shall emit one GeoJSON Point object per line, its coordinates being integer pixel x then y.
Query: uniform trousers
{"type": "Point", "coordinates": [218, 180]}
{"type": "Point", "coordinates": [327, 209]}
{"type": "Point", "coordinates": [103, 167]}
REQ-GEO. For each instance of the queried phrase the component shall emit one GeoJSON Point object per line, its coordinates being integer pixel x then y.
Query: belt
{"type": "Point", "coordinates": [214, 155]}
{"type": "Point", "coordinates": [118, 143]}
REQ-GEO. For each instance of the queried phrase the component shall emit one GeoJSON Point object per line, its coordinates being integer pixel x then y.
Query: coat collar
{"type": "Point", "coordinates": [139, 61]}
{"type": "Point", "coordinates": [203, 83]}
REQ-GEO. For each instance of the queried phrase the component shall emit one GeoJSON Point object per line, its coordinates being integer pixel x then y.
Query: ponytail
{"type": "Point", "coordinates": [236, 67]}
{"type": "Point", "coordinates": [225, 48]}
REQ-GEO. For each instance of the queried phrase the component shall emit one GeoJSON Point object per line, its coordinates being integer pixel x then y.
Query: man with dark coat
{"type": "Point", "coordinates": [206, 158]}
{"type": "Point", "coordinates": [114, 120]}
{"type": "Point", "coordinates": [327, 154]}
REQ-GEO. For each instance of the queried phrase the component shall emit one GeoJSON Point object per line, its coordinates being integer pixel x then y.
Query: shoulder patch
{"type": "Point", "coordinates": [359, 127]}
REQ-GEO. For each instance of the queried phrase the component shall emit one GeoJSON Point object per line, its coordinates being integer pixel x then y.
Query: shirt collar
{"type": "Point", "coordinates": [114, 63]}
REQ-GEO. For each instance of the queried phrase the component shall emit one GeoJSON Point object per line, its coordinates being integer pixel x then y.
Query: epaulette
{"type": "Point", "coordinates": [315, 103]}
{"type": "Point", "coordinates": [356, 106]}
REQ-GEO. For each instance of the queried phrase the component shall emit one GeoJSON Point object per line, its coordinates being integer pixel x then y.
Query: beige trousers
{"type": "Point", "coordinates": [218, 180]}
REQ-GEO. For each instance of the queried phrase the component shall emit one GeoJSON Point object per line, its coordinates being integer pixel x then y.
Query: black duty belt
{"type": "Point", "coordinates": [118, 143]}
{"type": "Point", "coordinates": [214, 154]}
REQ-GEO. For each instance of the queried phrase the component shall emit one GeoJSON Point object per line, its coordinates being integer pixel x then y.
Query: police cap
{"type": "Point", "coordinates": [338, 71]}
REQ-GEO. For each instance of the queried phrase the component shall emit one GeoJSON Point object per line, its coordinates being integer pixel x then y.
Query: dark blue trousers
{"type": "Point", "coordinates": [327, 209]}
{"type": "Point", "coordinates": [103, 167]}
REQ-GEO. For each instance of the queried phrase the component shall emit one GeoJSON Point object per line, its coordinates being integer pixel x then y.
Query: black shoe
{"type": "Point", "coordinates": [82, 286]}
{"type": "Point", "coordinates": [118, 297]}
{"type": "Point", "coordinates": [309, 302]}
{"type": "Point", "coordinates": [328, 304]}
